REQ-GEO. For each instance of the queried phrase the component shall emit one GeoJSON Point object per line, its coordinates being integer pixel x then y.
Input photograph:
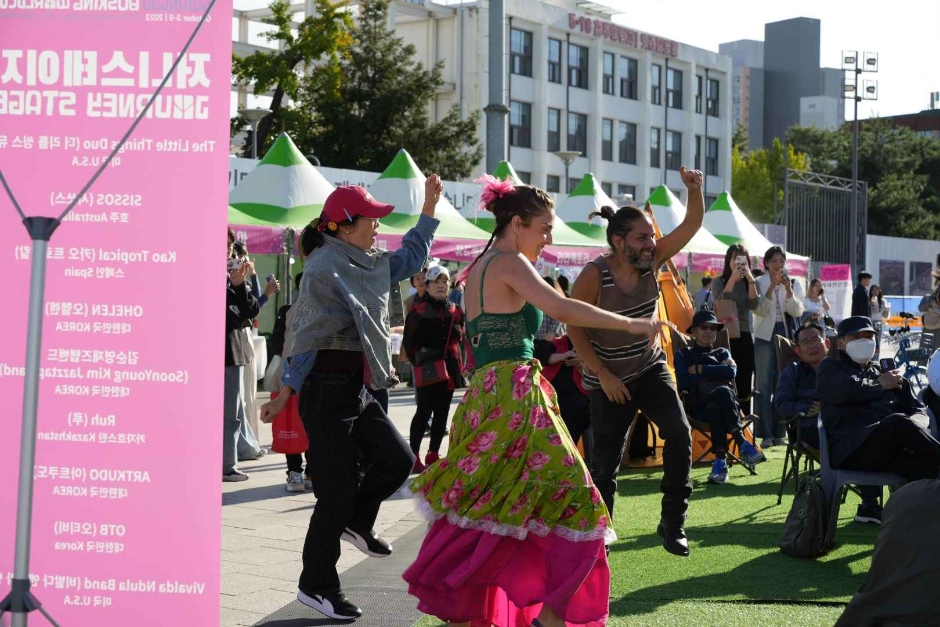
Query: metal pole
{"type": "Point", "coordinates": [853, 219]}
{"type": "Point", "coordinates": [24, 503]}
{"type": "Point", "coordinates": [496, 110]}
{"type": "Point", "coordinates": [567, 179]}
{"type": "Point", "coordinates": [254, 140]}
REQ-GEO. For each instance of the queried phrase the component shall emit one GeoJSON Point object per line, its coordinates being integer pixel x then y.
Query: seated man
{"type": "Point", "coordinates": [932, 391]}
{"type": "Point", "coordinates": [873, 420]}
{"type": "Point", "coordinates": [706, 373]}
{"type": "Point", "coordinates": [796, 394]}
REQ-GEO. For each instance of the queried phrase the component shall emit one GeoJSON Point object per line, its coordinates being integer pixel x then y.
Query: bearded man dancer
{"type": "Point", "coordinates": [626, 372]}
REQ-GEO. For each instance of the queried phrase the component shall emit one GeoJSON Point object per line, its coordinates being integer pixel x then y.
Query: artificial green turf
{"type": "Point", "coordinates": [736, 574]}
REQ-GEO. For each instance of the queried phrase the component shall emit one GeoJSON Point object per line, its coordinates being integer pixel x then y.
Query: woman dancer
{"type": "Point", "coordinates": [342, 344]}
{"type": "Point", "coordinates": [519, 528]}
{"type": "Point", "coordinates": [434, 330]}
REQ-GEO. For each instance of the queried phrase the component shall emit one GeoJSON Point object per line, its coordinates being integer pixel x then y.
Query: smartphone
{"type": "Point", "coordinates": [888, 364]}
{"type": "Point", "coordinates": [270, 278]}
{"type": "Point", "coordinates": [234, 264]}
{"type": "Point", "coordinates": [741, 261]}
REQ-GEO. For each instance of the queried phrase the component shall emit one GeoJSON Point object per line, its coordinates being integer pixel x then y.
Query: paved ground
{"type": "Point", "coordinates": [263, 530]}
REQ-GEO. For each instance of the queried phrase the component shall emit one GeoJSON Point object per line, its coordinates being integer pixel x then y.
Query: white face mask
{"type": "Point", "coordinates": [861, 351]}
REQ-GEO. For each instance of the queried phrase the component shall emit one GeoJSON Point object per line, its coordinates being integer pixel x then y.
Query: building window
{"type": "Point", "coordinates": [608, 73]}
{"type": "Point", "coordinates": [525, 177]}
{"type": "Point", "coordinates": [608, 188]}
{"type": "Point", "coordinates": [673, 89]}
{"type": "Point", "coordinates": [673, 150]}
{"type": "Point", "coordinates": [698, 94]}
{"type": "Point", "coordinates": [628, 74]}
{"type": "Point", "coordinates": [578, 66]}
{"type": "Point", "coordinates": [711, 101]}
{"type": "Point", "coordinates": [654, 148]}
{"type": "Point", "coordinates": [554, 130]}
{"type": "Point", "coordinates": [656, 85]}
{"type": "Point", "coordinates": [520, 52]}
{"type": "Point", "coordinates": [711, 157]}
{"type": "Point", "coordinates": [698, 152]}
{"type": "Point", "coordinates": [607, 140]}
{"type": "Point", "coordinates": [710, 200]}
{"type": "Point", "coordinates": [577, 133]}
{"type": "Point", "coordinates": [554, 61]}
{"type": "Point", "coordinates": [552, 183]}
{"type": "Point", "coordinates": [627, 141]}
{"type": "Point", "coordinates": [624, 190]}
{"type": "Point", "coordinates": [520, 124]}
{"type": "Point", "coordinates": [572, 184]}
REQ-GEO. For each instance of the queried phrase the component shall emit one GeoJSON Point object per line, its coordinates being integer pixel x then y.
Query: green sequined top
{"type": "Point", "coordinates": [501, 336]}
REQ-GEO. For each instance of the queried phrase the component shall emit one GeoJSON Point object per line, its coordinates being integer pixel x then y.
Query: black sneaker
{"type": "Point", "coordinates": [334, 605]}
{"type": "Point", "coordinates": [868, 513]}
{"type": "Point", "coordinates": [368, 542]}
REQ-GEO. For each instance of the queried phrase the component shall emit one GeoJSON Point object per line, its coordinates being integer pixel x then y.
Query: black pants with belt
{"type": "Point", "coordinates": [654, 392]}
{"type": "Point", "coordinates": [348, 430]}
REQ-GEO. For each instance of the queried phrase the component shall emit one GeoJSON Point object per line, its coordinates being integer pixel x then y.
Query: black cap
{"type": "Point", "coordinates": [855, 324]}
{"type": "Point", "coordinates": [704, 317]}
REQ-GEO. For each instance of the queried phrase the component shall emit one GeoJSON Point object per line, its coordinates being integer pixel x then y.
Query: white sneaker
{"type": "Point", "coordinates": [234, 476]}
{"type": "Point", "coordinates": [295, 482]}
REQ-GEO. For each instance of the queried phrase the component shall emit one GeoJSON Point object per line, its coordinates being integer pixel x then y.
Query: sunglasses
{"type": "Point", "coordinates": [708, 327]}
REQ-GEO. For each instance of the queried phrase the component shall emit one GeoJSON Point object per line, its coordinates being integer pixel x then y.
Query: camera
{"type": "Point", "coordinates": [235, 264]}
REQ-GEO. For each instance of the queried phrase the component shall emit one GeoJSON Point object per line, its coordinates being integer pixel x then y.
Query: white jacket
{"type": "Point", "coordinates": [765, 317]}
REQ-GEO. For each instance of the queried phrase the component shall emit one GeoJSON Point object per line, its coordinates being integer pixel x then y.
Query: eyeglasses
{"type": "Point", "coordinates": [816, 339]}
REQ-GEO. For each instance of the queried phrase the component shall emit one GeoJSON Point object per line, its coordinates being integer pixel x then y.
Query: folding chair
{"type": "Point", "coordinates": [796, 447]}
{"type": "Point", "coordinates": [733, 454]}
{"type": "Point", "coordinates": [836, 481]}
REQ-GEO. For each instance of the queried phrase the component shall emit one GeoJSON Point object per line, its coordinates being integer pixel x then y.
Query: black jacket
{"type": "Point", "coordinates": [853, 403]}
{"type": "Point", "coordinates": [426, 330]}
{"type": "Point", "coordinates": [240, 307]}
{"type": "Point", "coordinates": [861, 302]}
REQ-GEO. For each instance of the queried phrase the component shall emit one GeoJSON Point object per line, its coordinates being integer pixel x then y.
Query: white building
{"type": "Point", "coordinates": [634, 104]}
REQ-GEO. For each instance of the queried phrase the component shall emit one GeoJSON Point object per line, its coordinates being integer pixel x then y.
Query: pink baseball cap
{"type": "Point", "coordinates": [350, 201]}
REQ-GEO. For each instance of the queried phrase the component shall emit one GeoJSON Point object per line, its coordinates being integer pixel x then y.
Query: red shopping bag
{"type": "Point", "coordinates": [290, 437]}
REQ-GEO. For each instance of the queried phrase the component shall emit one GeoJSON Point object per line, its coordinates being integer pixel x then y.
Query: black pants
{"type": "Point", "coordinates": [295, 463]}
{"type": "Point", "coordinates": [576, 414]}
{"type": "Point", "coordinates": [345, 423]}
{"type": "Point", "coordinates": [897, 445]}
{"type": "Point", "coordinates": [720, 410]}
{"type": "Point", "coordinates": [655, 394]}
{"type": "Point", "coordinates": [433, 403]}
{"type": "Point", "coordinates": [742, 351]}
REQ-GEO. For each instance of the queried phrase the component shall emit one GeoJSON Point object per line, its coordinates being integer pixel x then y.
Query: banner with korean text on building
{"type": "Point", "coordinates": [126, 519]}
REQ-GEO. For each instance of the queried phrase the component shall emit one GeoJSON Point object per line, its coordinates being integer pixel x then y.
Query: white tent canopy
{"type": "Point", "coordinates": [670, 212]}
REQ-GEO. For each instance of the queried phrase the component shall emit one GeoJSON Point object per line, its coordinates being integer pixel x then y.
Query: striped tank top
{"type": "Point", "coordinates": [625, 355]}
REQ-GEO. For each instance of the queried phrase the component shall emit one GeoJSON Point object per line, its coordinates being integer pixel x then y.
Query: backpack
{"type": "Point", "coordinates": [804, 532]}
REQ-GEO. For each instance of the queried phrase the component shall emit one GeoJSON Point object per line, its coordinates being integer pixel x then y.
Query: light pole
{"type": "Point", "coordinates": [568, 157]}
{"type": "Point", "coordinates": [870, 92]}
{"type": "Point", "coordinates": [254, 116]}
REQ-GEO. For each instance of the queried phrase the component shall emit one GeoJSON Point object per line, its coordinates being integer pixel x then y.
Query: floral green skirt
{"type": "Point", "coordinates": [511, 467]}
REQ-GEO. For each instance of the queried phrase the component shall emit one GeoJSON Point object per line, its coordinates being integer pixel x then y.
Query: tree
{"type": "Point", "coordinates": [901, 168]}
{"type": "Point", "coordinates": [324, 35]}
{"type": "Point", "coordinates": [757, 177]}
{"type": "Point", "coordinates": [741, 139]}
{"type": "Point", "coordinates": [375, 100]}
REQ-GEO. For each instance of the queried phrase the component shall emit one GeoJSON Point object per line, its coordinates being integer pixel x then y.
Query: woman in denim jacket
{"type": "Point", "coordinates": [342, 346]}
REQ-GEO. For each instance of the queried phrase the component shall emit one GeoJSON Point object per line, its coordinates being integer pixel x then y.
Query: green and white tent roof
{"type": "Point", "coordinates": [725, 220]}
{"type": "Point", "coordinates": [283, 190]}
{"type": "Point", "coordinates": [562, 234]}
{"type": "Point", "coordinates": [586, 197]}
{"type": "Point", "coordinates": [402, 185]}
{"type": "Point", "coordinates": [670, 213]}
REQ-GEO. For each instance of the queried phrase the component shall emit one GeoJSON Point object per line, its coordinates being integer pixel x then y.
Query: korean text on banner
{"type": "Point", "coordinates": [126, 518]}
{"type": "Point", "coordinates": [837, 281]}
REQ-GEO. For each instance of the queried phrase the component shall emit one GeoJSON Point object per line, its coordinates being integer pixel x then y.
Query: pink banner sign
{"type": "Point", "coordinates": [260, 240]}
{"type": "Point", "coordinates": [839, 272]}
{"type": "Point", "coordinates": [126, 518]}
